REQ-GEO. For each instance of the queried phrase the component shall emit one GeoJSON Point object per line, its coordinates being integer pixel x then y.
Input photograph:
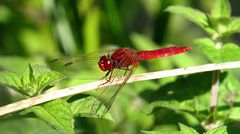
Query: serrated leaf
{"type": "Point", "coordinates": [208, 48]}
{"type": "Point", "coordinates": [234, 26]}
{"type": "Point", "coordinates": [220, 25]}
{"type": "Point", "coordinates": [11, 80]}
{"type": "Point", "coordinates": [230, 52]}
{"type": "Point", "coordinates": [221, 8]}
{"type": "Point", "coordinates": [219, 130]}
{"type": "Point", "coordinates": [186, 129]}
{"type": "Point", "coordinates": [191, 14]}
{"type": "Point", "coordinates": [32, 82]}
{"type": "Point", "coordinates": [82, 108]}
{"type": "Point", "coordinates": [47, 79]}
{"type": "Point", "coordinates": [58, 114]}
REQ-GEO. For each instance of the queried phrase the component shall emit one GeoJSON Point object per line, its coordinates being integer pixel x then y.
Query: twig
{"type": "Point", "coordinates": [20, 105]}
{"type": "Point", "coordinates": [214, 90]}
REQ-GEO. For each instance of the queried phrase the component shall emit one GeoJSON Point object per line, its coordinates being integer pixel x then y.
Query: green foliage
{"type": "Point", "coordinates": [221, 9]}
{"type": "Point", "coordinates": [218, 25]}
{"type": "Point", "coordinates": [58, 114]}
{"type": "Point", "coordinates": [186, 129]}
{"type": "Point", "coordinates": [220, 130]}
{"type": "Point", "coordinates": [33, 31]}
{"type": "Point", "coordinates": [32, 82]}
{"type": "Point", "coordinates": [229, 51]}
{"type": "Point", "coordinates": [234, 26]}
{"type": "Point", "coordinates": [191, 14]}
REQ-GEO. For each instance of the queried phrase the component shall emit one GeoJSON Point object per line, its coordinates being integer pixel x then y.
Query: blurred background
{"type": "Point", "coordinates": [36, 31]}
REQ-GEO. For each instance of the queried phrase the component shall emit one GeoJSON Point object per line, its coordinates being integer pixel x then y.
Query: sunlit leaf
{"type": "Point", "coordinates": [219, 130]}
{"type": "Point", "coordinates": [58, 114]}
{"type": "Point", "coordinates": [228, 52]}
{"type": "Point", "coordinates": [234, 26]}
{"type": "Point", "coordinates": [221, 8]}
{"type": "Point", "coordinates": [32, 82]}
{"type": "Point", "coordinates": [191, 14]}
{"type": "Point", "coordinates": [11, 80]}
{"type": "Point", "coordinates": [186, 129]}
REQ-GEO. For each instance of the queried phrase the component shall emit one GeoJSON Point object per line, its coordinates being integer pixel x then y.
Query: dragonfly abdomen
{"type": "Point", "coordinates": [152, 54]}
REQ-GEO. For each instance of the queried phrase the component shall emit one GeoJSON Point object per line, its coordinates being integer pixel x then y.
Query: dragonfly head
{"type": "Point", "coordinates": [105, 63]}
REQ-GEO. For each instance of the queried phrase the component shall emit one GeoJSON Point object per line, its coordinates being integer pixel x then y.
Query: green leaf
{"type": "Point", "coordinates": [12, 80]}
{"type": "Point", "coordinates": [221, 9]}
{"type": "Point", "coordinates": [186, 129]}
{"type": "Point", "coordinates": [32, 82]}
{"type": "Point", "coordinates": [58, 114]}
{"type": "Point", "coordinates": [208, 48]}
{"type": "Point", "coordinates": [191, 14]}
{"type": "Point", "coordinates": [229, 51]}
{"type": "Point", "coordinates": [30, 72]}
{"type": "Point", "coordinates": [43, 78]}
{"type": "Point", "coordinates": [234, 26]}
{"type": "Point", "coordinates": [228, 97]}
{"type": "Point", "coordinates": [83, 108]}
{"type": "Point", "coordinates": [46, 80]}
{"type": "Point", "coordinates": [219, 130]}
{"type": "Point", "coordinates": [221, 26]}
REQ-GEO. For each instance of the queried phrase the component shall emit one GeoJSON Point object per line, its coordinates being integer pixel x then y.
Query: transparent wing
{"type": "Point", "coordinates": [107, 95]}
{"type": "Point", "coordinates": [80, 67]}
{"type": "Point", "coordinates": [81, 59]}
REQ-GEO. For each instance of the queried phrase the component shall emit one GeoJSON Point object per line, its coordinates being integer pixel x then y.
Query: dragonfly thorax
{"type": "Point", "coordinates": [105, 63]}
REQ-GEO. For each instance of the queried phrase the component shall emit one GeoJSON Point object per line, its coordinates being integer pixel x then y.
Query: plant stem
{"type": "Point", "coordinates": [214, 90]}
{"type": "Point", "coordinates": [20, 105]}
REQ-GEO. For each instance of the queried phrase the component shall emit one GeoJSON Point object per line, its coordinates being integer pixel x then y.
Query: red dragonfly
{"type": "Point", "coordinates": [126, 60]}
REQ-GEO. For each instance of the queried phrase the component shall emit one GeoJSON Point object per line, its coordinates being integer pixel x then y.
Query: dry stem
{"type": "Point", "coordinates": [20, 105]}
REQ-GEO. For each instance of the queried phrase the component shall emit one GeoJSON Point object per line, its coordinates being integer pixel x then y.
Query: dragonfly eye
{"type": "Point", "coordinates": [104, 63]}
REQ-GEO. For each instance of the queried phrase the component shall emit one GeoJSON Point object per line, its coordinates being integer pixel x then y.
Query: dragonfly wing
{"type": "Point", "coordinates": [90, 58]}
{"type": "Point", "coordinates": [76, 67]}
{"type": "Point", "coordinates": [107, 95]}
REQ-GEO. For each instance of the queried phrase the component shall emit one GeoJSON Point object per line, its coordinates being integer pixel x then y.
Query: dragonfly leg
{"type": "Point", "coordinates": [107, 79]}
{"type": "Point", "coordinates": [126, 70]}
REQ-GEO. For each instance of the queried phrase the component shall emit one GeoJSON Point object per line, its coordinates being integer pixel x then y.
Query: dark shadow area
{"type": "Point", "coordinates": [5, 96]}
{"type": "Point", "coordinates": [183, 88]}
{"type": "Point", "coordinates": [165, 116]}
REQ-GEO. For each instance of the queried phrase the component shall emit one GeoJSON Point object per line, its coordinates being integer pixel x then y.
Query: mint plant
{"type": "Point", "coordinates": [220, 26]}
{"type": "Point", "coordinates": [32, 82]}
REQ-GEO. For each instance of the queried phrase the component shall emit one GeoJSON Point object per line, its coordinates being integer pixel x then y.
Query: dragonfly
{"type": "Point", "coordinates": [120, 62]}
